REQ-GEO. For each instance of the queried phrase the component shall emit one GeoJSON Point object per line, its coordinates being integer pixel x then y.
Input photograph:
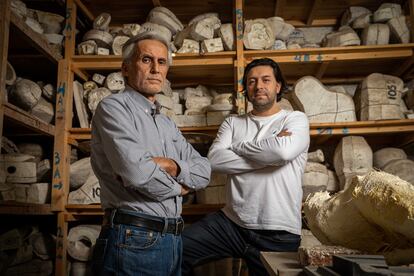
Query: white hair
{"type": "Point", "coordinates": [129, 49]}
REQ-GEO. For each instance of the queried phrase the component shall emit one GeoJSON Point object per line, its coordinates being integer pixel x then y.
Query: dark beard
{"type": "Point", "coordinates": [262, 107]}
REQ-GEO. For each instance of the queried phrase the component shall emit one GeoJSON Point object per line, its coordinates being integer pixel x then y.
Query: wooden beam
{"type": "Point", "coordinates": [4, 46]}
{"type": "Point", "coordinates": [404, 67]}
{"type": "Point", "coordinates": [315, 6]}
{"type": "Point", "coordinates": [70, 29]}
{"type": "Point", "coordinates": [63, 119]}
{"type": "Point", "coordinates": [81, 74]}
{"type": "Point", "coordinates": [411, 7]}
{"type": "Point", "coordinates": [21, 117]}
{"type": "Point", "coordinates": [85, 10]}
{"type": "Point", "coordinates": [156, 3]}
{"type": "Point", "coordinates": [279, 7]}
{"type": "Point", "coordinates": [322, 69]}
{"type": "Point", "coordinates": [239, 62]}
{"type": "Point", "coordinates": [61, 245]}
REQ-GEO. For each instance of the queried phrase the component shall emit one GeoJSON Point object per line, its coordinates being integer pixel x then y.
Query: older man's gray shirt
{"type": "Point", "coordinates": [126, 133]}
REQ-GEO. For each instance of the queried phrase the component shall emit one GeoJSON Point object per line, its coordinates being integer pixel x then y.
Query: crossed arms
{"type": "Point", "coordinates": [246, 156]}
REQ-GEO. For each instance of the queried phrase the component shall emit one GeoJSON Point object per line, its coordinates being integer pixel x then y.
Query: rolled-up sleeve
{"type": "Point", "coordinates": [120, 142]}
{"type": "Point", "coordinates": [195, 170]}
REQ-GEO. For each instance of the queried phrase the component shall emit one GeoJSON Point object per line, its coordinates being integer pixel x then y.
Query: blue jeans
{"type": "Point", "coordinates": [129, 250]}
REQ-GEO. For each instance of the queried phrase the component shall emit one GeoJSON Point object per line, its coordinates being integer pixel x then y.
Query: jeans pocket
{"type": "Point", "coordinates": [98, 256]}
{"type": "Point", "coordinates": [136, 238]}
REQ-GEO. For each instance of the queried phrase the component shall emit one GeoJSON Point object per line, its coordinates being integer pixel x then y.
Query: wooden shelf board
{"type": "Point", "coordinates": [85, 133]}
{"type": "Point", "coordinates": [34, 38]}
{"type": "Point", "coordinates": [362, 127]}
{"type": "Point", "coordinates": [17, 208]}
{"type": "Point", "coordinates": [27, 120]}
{"type": "Point", "coordinates": [95, 62]}
{"type": "Point", "coordinates": [334, 54]}
{"type": "Point", "coordinates": [316, 129]}
{"type": "Point", "coordinates": [96, 210]}
{"type": "Point", "coordinates": [188, 69]}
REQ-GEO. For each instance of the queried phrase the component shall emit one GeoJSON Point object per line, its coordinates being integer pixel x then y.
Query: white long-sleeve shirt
{"type": "Point", "coordinates": [264, 184]}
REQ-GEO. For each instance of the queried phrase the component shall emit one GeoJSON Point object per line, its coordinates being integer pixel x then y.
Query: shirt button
{"type": "Point", "coordinates": [146, 110]}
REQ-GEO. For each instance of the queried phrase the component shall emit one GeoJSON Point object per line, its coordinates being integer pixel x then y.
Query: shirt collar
{"type": "Point", "coordinates": [148, 106]}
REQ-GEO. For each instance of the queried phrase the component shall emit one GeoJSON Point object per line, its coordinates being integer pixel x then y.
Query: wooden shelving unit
{"type": "Point", "coordinates": [17, 208]}
{"type": "Point", "coordinates": [31, 56]}
{"type": "Point", "coordinates": [34, 39]}
{"type": "Point", "coordinates": [30, 122]}
{"type": "Point", "coordinates": [330, 65]}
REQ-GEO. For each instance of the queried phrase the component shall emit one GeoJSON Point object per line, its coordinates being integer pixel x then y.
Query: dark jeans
{"type": "Point", "coordinates": [216, 237]}
{"type": "Point", "coordinates": [129, 250]}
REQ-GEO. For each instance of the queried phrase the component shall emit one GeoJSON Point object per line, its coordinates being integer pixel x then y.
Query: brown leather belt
{"type": "Point", "coordinates": [170, 225]}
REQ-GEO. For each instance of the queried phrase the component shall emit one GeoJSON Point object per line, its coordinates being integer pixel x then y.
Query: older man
{"type": "Point", "coordinates": [264, 155]}
{"type": "Point", "coordinates": [144, 166]}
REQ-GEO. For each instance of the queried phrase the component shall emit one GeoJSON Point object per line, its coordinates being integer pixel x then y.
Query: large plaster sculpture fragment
{"type": "Point", "coordinates": [285, 104]}
{"type": "Point", "coordinates": [383, 156]}
{"type": "Point", "coordinates": [226, 33]}
{"type": "Point", "coordinates": [96, 96]}
{"type": "Point", "coordinates": [161, 30]}
{"type": "Point", "coordinates": [19, 168]}
{"type": "Point", "coordinates": [399, 29]}
{"type": "Point", "coordinates": [379, 98]}
{"type": "Point", "coordinates": [189, 46]}
{"type": "Point", "coordinates": [43, 110]}
{"type": "Point", "coordinates": [88, 193]}
{"type": "Point", "coordinates": [376, 34]}
{"type": "Point", "coordinates": [320, 104]}
{"type": "Point", "coordinates": [352, 13]}
{"type": "Point", "coordinates": [88, 47]}
{"type": "Point", "coordinates": [315, 178]}
{"type": "Point", "coordinates": [345, 36]}
{"type": "Point", "coordinates": [131, 29]}
{"type": "Point", "coordinates": [205, 28]}
{"type": "Point", "coordinates": [362, 21]}
{"type": "Point", "coordinates": [163, 16]}
{"type": "Point", "coordinates": [25, 94]}
{"type": "Point", "coordinates": [77, 249]}
{"type": "Point", "coordinates": [353, 156]}
{"type": "Point", "coordinates": [80, 106]}
{"type": "Point", "coordinates": [80, 172]}
{"type": "Point", "coordinates": [118, 43]}
{"type": "Point", "coordinates": [115, 82]}
{"type": "Point", "coordinates": [403, 168]}
{"type": "Point", "coordinates": [316, 156]}
{"type": "Point", "coordinates": [386, 12]}
{"type": "Point", "coordinates": [101, 38]}
{"type": "Point", "coordinates": [374, 214]}
{"type": "Point", "coordinates": [280, 28]}
{"type": "Point", "coordinates": [102, 21]}
{"type": "Point", "coordinates": [212, 45]}
{"type": "Point", "coordinates": [32, 149]}
{"type": "Point", "coordinates": [258, 34]}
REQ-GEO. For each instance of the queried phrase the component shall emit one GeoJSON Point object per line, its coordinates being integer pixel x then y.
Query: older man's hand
{"type": "Point", "coordinates": [168, 165]}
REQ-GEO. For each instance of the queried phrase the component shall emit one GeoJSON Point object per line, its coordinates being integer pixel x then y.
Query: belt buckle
{"type": "Point", "coordinates": [179, 227]}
